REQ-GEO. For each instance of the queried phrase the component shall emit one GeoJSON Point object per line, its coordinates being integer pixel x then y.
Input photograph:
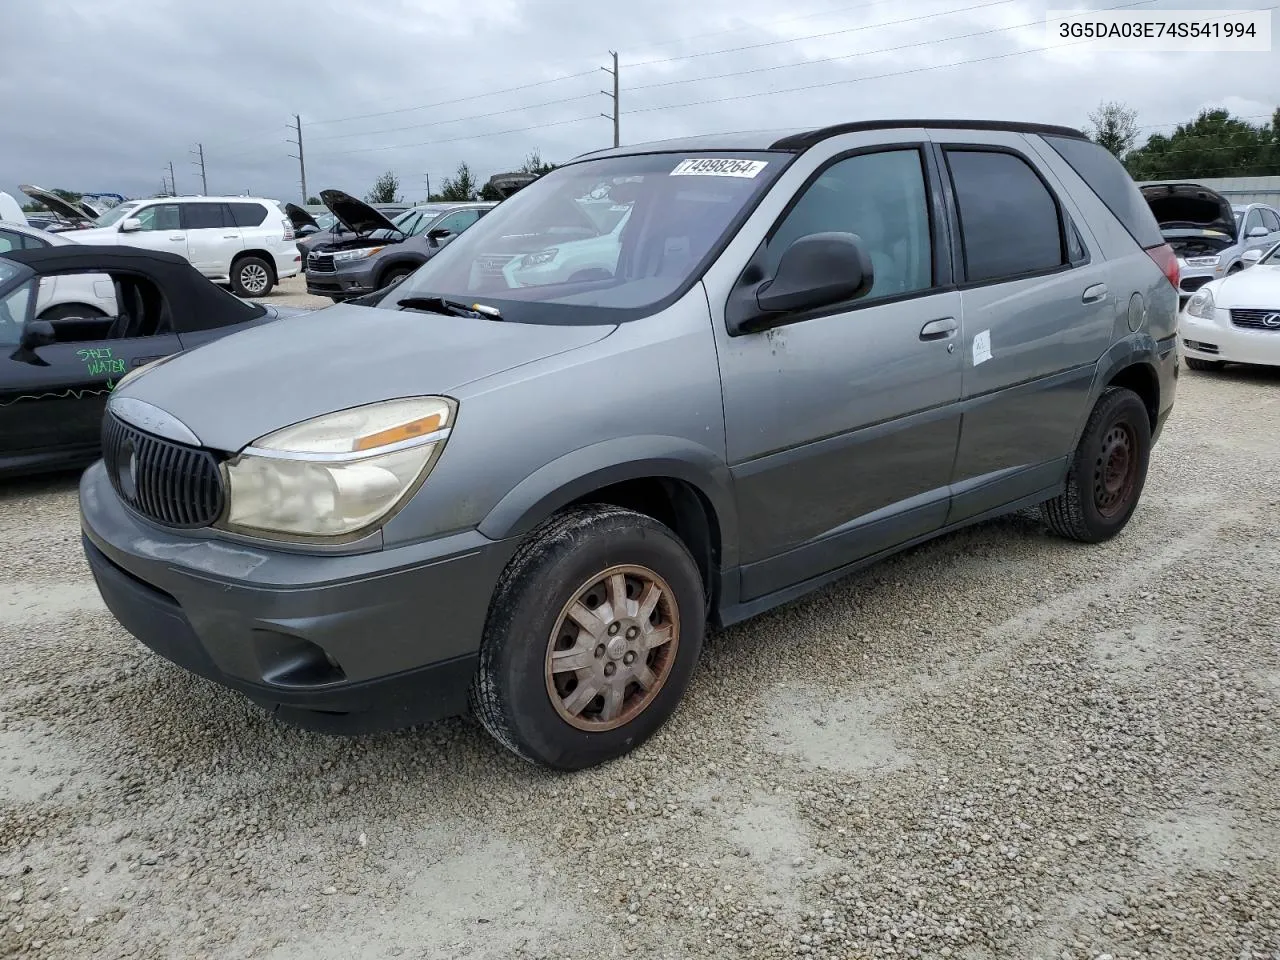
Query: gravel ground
{"type": "Point", "coordinates": [293, 293]}
{"type": "Point", "coordinates": [998, 745]}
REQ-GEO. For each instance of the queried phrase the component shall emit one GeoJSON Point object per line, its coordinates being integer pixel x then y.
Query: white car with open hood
{"type": "Point", "coordinates": [1235, 319]}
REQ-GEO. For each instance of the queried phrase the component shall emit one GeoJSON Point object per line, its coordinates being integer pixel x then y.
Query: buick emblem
{"type": "Point", "coordinates": [1271, 320]}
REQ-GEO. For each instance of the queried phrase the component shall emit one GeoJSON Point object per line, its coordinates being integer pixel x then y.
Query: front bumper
{"type": "Point", "coordinates": [1220, 339]}
{"type": "Point", "coordinates": [343, 644]}
{"type": "Point", "coordinates": [353, 281]}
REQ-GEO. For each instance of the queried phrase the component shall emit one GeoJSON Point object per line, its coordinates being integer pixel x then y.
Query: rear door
{"type": "Point", "coordinates": [1038, 314]}
{"type": "Point", "coordinates": [213, 239]}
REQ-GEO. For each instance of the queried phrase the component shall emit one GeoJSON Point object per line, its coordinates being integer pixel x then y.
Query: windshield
{"type": "Point", "coordinates": [116, 213]}
{"type": "Point", "coordinates": [622, 233]}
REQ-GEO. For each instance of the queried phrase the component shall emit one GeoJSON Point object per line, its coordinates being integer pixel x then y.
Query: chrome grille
{"type": "Point", "coordinates": [1257, 319]}
{"type": "Point", "coordinates": [170, 483]}
{"type": "Point", "coordinates": [321, 263]}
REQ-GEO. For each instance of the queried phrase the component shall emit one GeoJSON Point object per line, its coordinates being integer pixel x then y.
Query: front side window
{"type": "Point", "coordinates": [1252, 221]}
{"type": "Point", "coordinates": [546, 254]}
{"type": "Point", "coordinates": [160, 216]}
{"type": "Point", "coordinates": [1009, 221]}
{"type": "Point", "coordinates": [457, 222]}
{"type": "Point", "coordinates": [881, 198]}
{"type": "Point", "coordinates": [13, 312]}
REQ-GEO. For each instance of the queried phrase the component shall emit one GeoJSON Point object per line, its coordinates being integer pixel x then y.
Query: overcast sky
{"type": "Point", "coordinates": [100, 95]}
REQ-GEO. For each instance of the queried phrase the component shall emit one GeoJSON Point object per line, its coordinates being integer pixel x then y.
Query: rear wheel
{"type": "Point", "coordinates": [67, 311]}
{"type": "Point", "coordinates": [1195, 363]}
{"type": "Point", "coordinates": [1107, 472]}
{"type": "Point", "coordinates": [593, 634]}
{"type": "Point", "coordinates": [251, 277]}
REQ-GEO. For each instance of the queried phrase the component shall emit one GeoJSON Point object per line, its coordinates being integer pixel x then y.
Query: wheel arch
{"type": "Point", "coordinates": [674, 481]}
{"type": "Point", "coordinates": [1130, 363]}
{"type": "Point", "coordinates": [399, 262]}
{"type": "Point", "coordinates": [261, 255]}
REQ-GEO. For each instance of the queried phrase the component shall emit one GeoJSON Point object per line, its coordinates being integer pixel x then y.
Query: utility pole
{"type": "Point", "coordinates": [613, 96]}
{"type": "Point", "coordinates": [428, 176]}
{"type": "Point", "coordinates": [173, 184]}
{"type": "Point", "coordinates": [204, 181]}
{"type": "Point", "coordinates": [302, 166]}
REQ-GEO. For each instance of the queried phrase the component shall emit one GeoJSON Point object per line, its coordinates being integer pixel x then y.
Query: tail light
{"type": "Point", "coordinates": [288, 230]}
{"type": "Point", "coordinates": [1167, 261]}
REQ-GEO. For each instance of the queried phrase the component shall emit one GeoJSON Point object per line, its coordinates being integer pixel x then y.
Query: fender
{"type": "Point", "coordinates": [400, 260]}
{"type": "Point", "coordinates": [1136, 348]}
{"type": "Point", "coordinates": [589, 468]}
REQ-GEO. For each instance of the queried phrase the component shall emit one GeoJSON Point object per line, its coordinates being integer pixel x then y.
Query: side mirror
{"type": "Point", "coordinates": [1251, 257]}
{"type": "Point", "coordinates": [130, 225]}
{"type": "Point", "coordinates": [1256, 233]}
{"type": "Point", "coordinates": [819, 270]}
{"type": "Point", "coordinates": [439, 233]}
{"type": "Point", "coordinates": [38, 333]}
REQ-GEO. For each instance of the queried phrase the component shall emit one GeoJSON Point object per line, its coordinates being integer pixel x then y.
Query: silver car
{"type": "Point", "coordinates": [813, 349]}
{"type": "Point", "coordinates": [1210, 236]}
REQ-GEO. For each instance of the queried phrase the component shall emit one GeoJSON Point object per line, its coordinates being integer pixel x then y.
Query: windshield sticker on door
{"type": "Point", "coordinates": [710, 167]}
{"type": "Point", "coordinates": [100, 361]}
{"type": "Point", "coordinates": [982, 347]}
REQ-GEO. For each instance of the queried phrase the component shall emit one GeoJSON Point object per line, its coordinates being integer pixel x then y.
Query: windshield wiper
{"type": "Point", "coordinates": [450, 308]}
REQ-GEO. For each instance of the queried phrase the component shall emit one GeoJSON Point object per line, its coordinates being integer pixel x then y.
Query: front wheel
{"type": "Point", "coordinates": [1195, 363]}
{"type": "Point", "coordinates": [251, 277]}
{"type": "Point", "coordinates": [592, 636]}
{"type": "Point", "coordinates": [1107, 472]}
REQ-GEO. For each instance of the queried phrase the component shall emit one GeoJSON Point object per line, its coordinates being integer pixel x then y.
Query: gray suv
{"type": "Point", "coordinates": [531, 497]}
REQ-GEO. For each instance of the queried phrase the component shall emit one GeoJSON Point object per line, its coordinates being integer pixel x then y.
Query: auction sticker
{"type": "Point", "coordinates": [711, 167]}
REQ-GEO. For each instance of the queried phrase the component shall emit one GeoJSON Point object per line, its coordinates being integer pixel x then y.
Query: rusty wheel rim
{"type": "Point", "coordinates": [1115, 472]}
{"type": "Point", "coordinates": [612, 648]}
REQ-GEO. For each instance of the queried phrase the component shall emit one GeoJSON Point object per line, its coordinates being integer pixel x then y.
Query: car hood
{"type": "Point", "coordinates": [237, 389]}
{"type": "Point", "coordinates": [356, 215]}
{"type": "Point", "coordinates": [94, 235]}
{"type": "Point", "coordinates": [55, 203]}
{"type": "Point", "coordinates": [1190, 205]}
{"type": "Point", "coordinates": [1259, 287]}
{"type": "Point", "coordinates": [298, 217]}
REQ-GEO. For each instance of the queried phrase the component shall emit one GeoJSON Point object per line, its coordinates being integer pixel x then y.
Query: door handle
{"type": "Point", "coordinates": [1094, 293]}
{"type": "Point", "coordinates": [177, 237]}
{"type": "Point", "coordinates": [938, 329]}
{"type": "Point", "coordinates": [230, 236]}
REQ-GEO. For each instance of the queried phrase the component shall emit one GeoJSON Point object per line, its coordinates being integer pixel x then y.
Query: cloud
{"type": "Point", "coordinates": [103, 94]}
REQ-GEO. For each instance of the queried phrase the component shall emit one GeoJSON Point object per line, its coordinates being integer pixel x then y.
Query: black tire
{"type": "Point", "coordinates": [1097, 504]}
{"type": "Point", "coordinates": [1195, 363]}
{"type": "Point", "coordinates": [394, 275]}
{"type": "Point", "coordinates": [252, 277]}
{"type": "Point", "coordinates": [66, 311]}
{"type": "Point", "coordinates": [512, 692]}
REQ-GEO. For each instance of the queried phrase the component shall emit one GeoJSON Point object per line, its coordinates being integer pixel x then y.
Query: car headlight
{"type": "Point", "coordinates": [539, 258]}
{"type": "Point", "coordinates": [1201, 305]}
{"type": "Point", "coordinates": [1203, 261]}
{"type": "Point", "coordinates": [337, 474]}
{"type": "Point", "coordinates": [343, 256]}
{"type": "Point", "coordinates": [138, 371]}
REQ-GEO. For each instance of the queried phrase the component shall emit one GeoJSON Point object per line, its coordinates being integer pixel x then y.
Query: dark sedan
{"type": "Point", "coordinates": [55, 376]}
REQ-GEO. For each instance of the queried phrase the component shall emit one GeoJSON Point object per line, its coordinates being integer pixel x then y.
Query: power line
{"type": "Point", "coordinates": [474, 136]}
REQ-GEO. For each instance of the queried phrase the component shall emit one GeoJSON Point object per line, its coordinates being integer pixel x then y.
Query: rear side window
{"type": "Point", "coordinates": [203, 216]}
{"type": "Point", "coordinates": [1009, 221]}
{"type": "Point", "coordinates": [248, 214]}
{"type": "Point", "coordinates": [1111, 182]}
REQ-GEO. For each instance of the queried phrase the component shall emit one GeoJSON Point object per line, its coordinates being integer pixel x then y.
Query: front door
{"type": "Point", "coordinates": [1040, 310]}
{"type": "Point", "coordinates": [161, 230]}
{"type": "Point", "coordinates": [52, 399]}
{"type": "Point", "coordinates": [841, 429]}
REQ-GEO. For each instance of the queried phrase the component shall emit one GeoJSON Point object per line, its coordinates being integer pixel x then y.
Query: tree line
{"type": "Point", "coordinates": [462, 187]}
{"type": "Point", "coordinates": [1214, 144]}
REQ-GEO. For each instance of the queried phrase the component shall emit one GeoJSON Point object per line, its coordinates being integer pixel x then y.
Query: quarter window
{"type": "Point", "coordinates": [881, 198]}
{"type": "Point", "coordinates": [248, 214]}
{"type": "Point", "coordinates": [1009, 221]}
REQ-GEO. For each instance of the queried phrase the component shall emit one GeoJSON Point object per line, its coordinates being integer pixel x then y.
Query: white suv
{"type": "Point", "coordinates": [244, 241]}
